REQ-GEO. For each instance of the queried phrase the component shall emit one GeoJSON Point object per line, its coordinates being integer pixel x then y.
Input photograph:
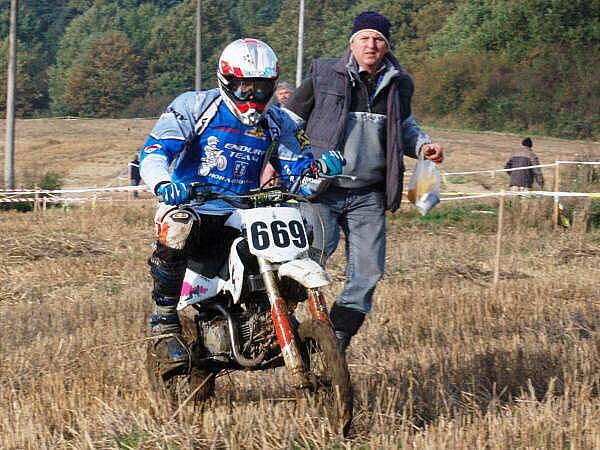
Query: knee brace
{"type": "Point", "coordinates": [173, 226]}
{"type": "Point", "coordinates": [168, 261]}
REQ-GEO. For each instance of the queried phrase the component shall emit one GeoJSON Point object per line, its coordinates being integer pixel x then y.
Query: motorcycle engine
{"type": "Point", "coordinates": [216, 339]}
{"type": "Point", "coordinates": [254, 329]}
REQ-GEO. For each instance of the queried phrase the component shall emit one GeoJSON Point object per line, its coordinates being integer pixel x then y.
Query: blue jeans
{"type": "Point", "coordinates": [360, 213]}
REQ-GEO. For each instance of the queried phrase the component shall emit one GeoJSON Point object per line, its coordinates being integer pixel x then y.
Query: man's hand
{"type": "Point", "coordinates": [331, 163]}
{"type": "Point", "coordinates": [433, 152]}
{"type": "Point", "coordinates": [174, 193]}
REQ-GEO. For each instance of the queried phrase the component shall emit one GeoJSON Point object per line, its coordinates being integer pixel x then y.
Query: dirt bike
{"type": "Point", "coordinates": [240, 316]}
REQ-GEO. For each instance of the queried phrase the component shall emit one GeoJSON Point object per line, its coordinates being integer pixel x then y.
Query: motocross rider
{"type": "Point", "coordinates": [221, 138]}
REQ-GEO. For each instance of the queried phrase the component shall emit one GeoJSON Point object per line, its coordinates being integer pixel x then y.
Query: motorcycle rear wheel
{"type": "Point", "coordinates": [330, 390]}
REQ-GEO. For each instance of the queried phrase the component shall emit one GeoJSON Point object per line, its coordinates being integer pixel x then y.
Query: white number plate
{"type": "Point", "coordinates": [276, 233]}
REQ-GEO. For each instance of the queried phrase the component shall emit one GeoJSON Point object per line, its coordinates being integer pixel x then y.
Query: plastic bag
{"type": "Point", "coordinates": [424, 186]}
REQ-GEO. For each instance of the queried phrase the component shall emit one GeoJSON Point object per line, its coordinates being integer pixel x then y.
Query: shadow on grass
{"type": "Point", "coordinates": [485, 382]}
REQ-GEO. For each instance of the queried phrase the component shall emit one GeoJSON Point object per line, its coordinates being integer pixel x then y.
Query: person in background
{"type": "Point", "coordinates": [283, 92]}
{"type": "Point", "coordinates": [134, 173]}
{"type": "Point", "coordinates": [360, 104]}
{"type": "Point", "coordinates": [220, 139]}
{"type": "Point", "coordinates": [522, 180]}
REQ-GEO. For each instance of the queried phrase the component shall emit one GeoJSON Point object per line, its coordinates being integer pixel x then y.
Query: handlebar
{"type": "Point", "coordinates": [256, 197]}
{"type": "Point", "coordinates": [262, 196]}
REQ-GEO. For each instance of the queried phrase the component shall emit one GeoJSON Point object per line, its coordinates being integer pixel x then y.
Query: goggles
{"type": "Point", "coordinates": [259, 90]}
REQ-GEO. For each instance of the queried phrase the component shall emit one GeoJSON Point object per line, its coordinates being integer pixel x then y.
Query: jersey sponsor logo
{"type": "Point", "coordinates": [177, 114]}
{"type": "Point", "coordinates": [302, 138]}
{"type": "Point", "coordinates": [240, 168]}
{"type": "Point", "coordinates": [256, 133]}
{"type": "Point", "coordinates": [152, 148]}
{"type": "Point", "coordinates": [181, 216]}
{"type": "Point", "coordinates": [213, 157]}
{"type": "Point", "coordinates": [221, 162]}
{"type": "Point", "coordinates": [244, 149]}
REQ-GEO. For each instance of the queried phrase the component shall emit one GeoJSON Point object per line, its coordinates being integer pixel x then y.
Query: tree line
{"type": "Point", "coordinates": [490, 64]}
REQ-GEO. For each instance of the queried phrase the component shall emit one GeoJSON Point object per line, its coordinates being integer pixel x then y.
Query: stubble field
{"type": "Point", "coordinates": [444, 361]}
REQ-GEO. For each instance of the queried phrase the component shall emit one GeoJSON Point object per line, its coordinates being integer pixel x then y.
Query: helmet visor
{"type": "Point", "coordinates": [258, 90]}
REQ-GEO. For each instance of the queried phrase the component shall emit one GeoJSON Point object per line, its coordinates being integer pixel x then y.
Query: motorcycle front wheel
{"type": "Point", "coordinates": [330, 388]}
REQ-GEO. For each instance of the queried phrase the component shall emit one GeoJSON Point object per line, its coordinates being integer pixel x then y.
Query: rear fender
{"type": "Point", "coordinates": [197, 288]}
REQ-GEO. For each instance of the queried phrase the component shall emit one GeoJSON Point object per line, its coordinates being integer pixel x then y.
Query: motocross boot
{"type": "Point", "coordinates": [170, 350]}
{"type": "Point", "coordinates": [346, 323]}
{"type": "Point", "coordinates": [167, 269]}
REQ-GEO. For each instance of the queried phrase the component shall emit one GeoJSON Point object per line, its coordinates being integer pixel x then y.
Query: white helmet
{"type": "Point", "coordinates": [247, 75]}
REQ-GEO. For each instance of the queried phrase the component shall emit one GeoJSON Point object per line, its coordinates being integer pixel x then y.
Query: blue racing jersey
{"type": "Point", "coordinates": [198, 139]}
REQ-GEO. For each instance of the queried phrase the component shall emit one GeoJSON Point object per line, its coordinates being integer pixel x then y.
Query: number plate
{"type": "Point", "coordinates": [276, 233]}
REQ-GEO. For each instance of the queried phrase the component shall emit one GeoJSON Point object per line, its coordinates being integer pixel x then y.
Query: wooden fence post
{"type": "Point", "coordinates": [499, 239]}
{"type": "Point", "coordinates": [556, 197]}
{"type": "Point", "coordinates": [36, 204]}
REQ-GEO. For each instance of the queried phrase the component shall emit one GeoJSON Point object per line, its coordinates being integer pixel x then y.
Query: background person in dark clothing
{"type": "Point", "coordinates": [522, 180]}
{"type": "Point", "coordinates": [360, 104]}
{"type": "Point", "coordinates": [134, 173]}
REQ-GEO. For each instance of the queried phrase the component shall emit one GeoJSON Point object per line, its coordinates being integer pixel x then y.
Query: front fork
{"type": "Point", "coordinates": [281, 321]}
{"type": "Point", "coordinates": [318, 307]}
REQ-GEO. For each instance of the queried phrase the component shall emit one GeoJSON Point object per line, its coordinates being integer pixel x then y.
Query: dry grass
{"type": "Point", "coordinates": [443, 361]}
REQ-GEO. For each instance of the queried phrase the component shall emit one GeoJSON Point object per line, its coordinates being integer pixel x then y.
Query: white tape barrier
{"type": "Point", "coordinates": [556, 195]}
{"type": "Point", "coordinates": [145, 189]}
{"type": "Point", "coordinates": [492, 171]}
{"type": "Point", "coordinates": [9, 196]}
{"type": "Point", "coordinates": [585, 163]}
{"type": "Point", "coordinates": [454, 196]}
{"type": "Point", "coordinates": [76, 191]}
{"type": "Point", "coordinates": [80, 200]}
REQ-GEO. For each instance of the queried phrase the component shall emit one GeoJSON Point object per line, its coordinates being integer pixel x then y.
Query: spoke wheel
{"type": "Point", "coordinates": [330, 390]}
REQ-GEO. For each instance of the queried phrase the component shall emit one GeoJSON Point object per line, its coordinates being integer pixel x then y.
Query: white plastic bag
{"type": "Point", "coordinates": [424, 186]}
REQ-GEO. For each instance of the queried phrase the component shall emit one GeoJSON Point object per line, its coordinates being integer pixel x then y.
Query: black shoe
{"type": "Point", "coordinates": [343, 340]}
{"type": "Point", "coordinates": [346, 323]}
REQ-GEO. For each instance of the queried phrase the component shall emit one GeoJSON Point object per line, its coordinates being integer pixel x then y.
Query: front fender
{"type": "Point", "coordinates": [305, 271]}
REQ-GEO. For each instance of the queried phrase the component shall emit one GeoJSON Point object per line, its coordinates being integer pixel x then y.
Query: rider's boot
{"type": "Point", "coordinates": [346, 323]}
{"type": "Point", "coordinates": [167, 268]}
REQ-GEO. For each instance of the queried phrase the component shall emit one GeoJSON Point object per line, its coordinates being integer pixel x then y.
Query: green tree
{"type": "Point", "coordinates": [30, 80]}
{"type": "Point", "coordinates": [171, 51]}
{"type": "Point", "coordinates": [108, 77]}
{"type": "Point", "coordinates": [125, 16]}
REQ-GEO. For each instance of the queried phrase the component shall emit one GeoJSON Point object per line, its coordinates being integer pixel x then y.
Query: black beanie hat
{"type": "Point", "coordinates": [527, 142]}
{"type": "Point", "coordinates": [370, 20]}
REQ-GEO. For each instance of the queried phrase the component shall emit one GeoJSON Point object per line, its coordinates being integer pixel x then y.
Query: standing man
{"type": "Point", "coordinates": [360, 105]}
{"type": "Point", "coordinates": [134, 173]}
{"type": "Point", "coordinates": [522, 180]}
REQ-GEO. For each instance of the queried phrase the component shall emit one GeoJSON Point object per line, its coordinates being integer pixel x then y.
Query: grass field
{"type": "Point", "coordinates": [444, 361]}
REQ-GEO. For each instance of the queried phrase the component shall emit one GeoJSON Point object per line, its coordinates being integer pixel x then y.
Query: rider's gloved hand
{"type": "Point", "coordinates": [331, 163]}
{"type": "Point", "coordinates": [174, 193]}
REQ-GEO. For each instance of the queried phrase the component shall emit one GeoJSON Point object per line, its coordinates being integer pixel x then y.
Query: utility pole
{"type": "Point", "coordinates": [300, 45]}
{"type": "Point", "coordinates": [198, 45]}
{"type": "Point", "coordinates": [9, 148]}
